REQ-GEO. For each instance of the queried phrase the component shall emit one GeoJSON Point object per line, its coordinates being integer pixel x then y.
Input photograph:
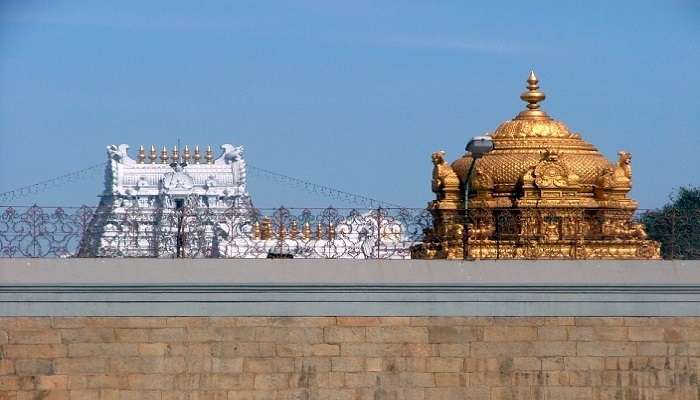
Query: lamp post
{"type": "Point", "coordinates": [477, 146]}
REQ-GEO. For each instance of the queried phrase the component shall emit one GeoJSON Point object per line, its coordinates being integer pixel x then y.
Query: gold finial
{"type": "Point", "coordinates": [142, 155]}
{"type": "Point", "coordinates": [256, 230]}
{"type": "Point", "coordinates": [164, 155]}
{"type": "Point", "coordinates": [306, 231]}
{"type": "Point", "coordinates": [532, 96]}
{"type": "Point", "coordinates": [176, 154]}
{"type": "Point", "coordinates": [154, 154]}
{"type": "Point", "coordinates": [186, 154]}
{"type": "Point", "coordinates": [266, 229]}
{"type": "Point", "coordinates": [294, 229]}
{"type": "Point", "coordinates": [197, 156]}
{"type": "Point", "coordinates": [209, 156]}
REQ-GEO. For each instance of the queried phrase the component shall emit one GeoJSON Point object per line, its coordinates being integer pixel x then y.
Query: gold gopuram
{"type": "Point", "coordinates": [541, 193]}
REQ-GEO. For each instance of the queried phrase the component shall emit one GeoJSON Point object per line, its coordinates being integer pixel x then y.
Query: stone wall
{"type": "Point", "coordinates": [349, 358]}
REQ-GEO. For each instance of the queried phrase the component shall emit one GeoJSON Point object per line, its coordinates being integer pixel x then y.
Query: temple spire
{"type": "Point", "coordinates": [532, 96]}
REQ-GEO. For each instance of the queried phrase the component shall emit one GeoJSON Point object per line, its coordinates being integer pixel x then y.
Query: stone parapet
{"type": "Point", "coordinates": [205, 287]}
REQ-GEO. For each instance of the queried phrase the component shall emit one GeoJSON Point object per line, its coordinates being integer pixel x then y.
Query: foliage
{"type": "Point", "coordinates": [677, 225]}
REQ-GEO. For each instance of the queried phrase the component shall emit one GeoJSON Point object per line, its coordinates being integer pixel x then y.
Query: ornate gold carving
{"type": "Point", "coordinates": [445, 182]}
{"type": "Point", "coordinates": [623, 172]}
{"type": "Point", "coordinates": [543, 192]}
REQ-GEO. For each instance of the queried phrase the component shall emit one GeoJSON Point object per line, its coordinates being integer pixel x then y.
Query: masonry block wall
{"type": "Point", "coordinates": [349, 358]}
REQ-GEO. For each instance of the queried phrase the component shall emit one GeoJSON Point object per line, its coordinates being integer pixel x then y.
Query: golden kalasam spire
{"type": "Point", "coordinates": [532, 96]}
{"type": "Point", "coordinates": [153, 156]}
{"type": "Point", "coordinates": [197, 156]}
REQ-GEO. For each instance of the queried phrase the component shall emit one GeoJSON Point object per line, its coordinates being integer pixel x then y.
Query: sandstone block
{"type": "Point", "coordinates": [139, 395]}
{"type": "Point", "coordinates": [271, 381]}
{"type": "Point", "coordinates": [584, 363]}
{"type": "Point", "coordinates": [73, 366]}
{"type": "Point", "coordinates": [419, 350]}
{"type": "Point", "coordinates": [7, 367]}
{"type": "Point", "coordinates": [373, 321]}
{"type": "Point", "coordinates": [227, 365]}
{"type": "Point", "coordinates": [52, 382]}
{"type": "Point", "coordinates": [551, 333]}
{"type": "Point", "coordinates": [453, 334]}
{"type": "Point", "coordinates": [448, 379]}
{"type": "Point", "coordinates": [606, 349]}
{"type": "Point", "coordinates": [645, 334]}
{"type": "Point", "coordinates": [497, 349]}
{"type": "Point", "coordinates": [347, 364]}
{"type": "Point", "coordinates": [360, 379]}
{"type": "Point", "coordinates": [131, 335]}
{"type": "Point", "coordinates": [84, 394]}
{"type": "Point", "coordinates": [444, 364]}
{"type": "Point", "coordinates": [397, 334]}
{"type": "Point", "coordinates": [599, 321]}
{"type": "Point", "coordinates": [24, 323]}
{"type": "Point", "coordinates": [458, 393]}
{"type": "Point", "coordinates": [344, 334]}
{"type": "Point", "coordinates": [652, 348]}
{"type": "Point", "coordinates": [552, 349]}
{"type": "Point", "coordinates": [167, 335]}
{"type": "Point", "coordinates": [527, 364]}
{"type": "Point", "coordinates": [102, 349]}
{"type": "Point", "coordinates": [34, 366]}
{"type": "Point", "coordinates": [87, 335]}
{"type": "Point", "coordinates": [509, 333]}
{"type": "Point", "coordinates": [552, 363]}
{"type": "Point", "coordinates": [519, 321]}
{"type": "Point", "coordinates": [417, 379]}
{"type": "Point", "coordinates": [580, 333]}
{"type": "Point", "coordinates": [35, 337]}
{"type": "Point", "coordinates": [153, 349]}
{"type": "Point", "coordinates": [370, 349]}
{"type": "Point", "coordinates": [151, 381]}
{"type": "Point", "coordinates": [452, 321]}
{"type": "Point", "coordinates": [147, 365]}
{"type": "Point", "coordinates": [188, 322]}
{"type": "Point", "coordinates": [289, 335]}
{"type": "Point", "coordinates": [228, 381]}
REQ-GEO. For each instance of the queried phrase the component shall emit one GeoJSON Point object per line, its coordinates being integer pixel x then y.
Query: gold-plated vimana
{"type": "Point", "coordinates": [542, 193]}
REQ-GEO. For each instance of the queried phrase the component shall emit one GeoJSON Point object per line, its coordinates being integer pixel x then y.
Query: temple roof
{"type": "Point", "coordinates": [519, 145]}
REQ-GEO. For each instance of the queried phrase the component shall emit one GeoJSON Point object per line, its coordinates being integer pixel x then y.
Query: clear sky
{"type": "Point", "coordinates": [351, 94]}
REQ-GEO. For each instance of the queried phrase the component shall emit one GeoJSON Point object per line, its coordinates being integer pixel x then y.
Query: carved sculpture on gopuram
{"type": "Point", "coordinates": [543, 192]}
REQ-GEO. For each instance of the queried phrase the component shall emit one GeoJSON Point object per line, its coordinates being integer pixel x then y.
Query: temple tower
{"type": "Point", "coordinates": [543, 192]}
{"type": "Point", "coordinates": [165, 204]}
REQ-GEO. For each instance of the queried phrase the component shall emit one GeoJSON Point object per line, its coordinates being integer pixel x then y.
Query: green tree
{"type": "Point", "coordinates": [677, 225]}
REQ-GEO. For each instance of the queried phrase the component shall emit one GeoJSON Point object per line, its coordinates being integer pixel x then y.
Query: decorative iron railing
{"type": "Point", "coordinates": [384, 233]}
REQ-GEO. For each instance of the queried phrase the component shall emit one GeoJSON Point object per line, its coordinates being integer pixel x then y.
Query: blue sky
{"type": "Point", "coordinates": [354, 94]}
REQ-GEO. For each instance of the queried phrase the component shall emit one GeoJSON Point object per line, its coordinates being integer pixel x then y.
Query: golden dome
{"type": "Point", "coordinates": [520, 143]}
{"type": "Point", "coordinates": [541, 193]}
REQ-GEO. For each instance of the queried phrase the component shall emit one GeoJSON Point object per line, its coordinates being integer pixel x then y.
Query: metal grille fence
{"type": "Point", "coordinates": [194, 232]}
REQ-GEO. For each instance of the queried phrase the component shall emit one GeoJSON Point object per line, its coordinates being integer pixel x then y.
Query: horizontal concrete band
{"type": "Point", "coordinates": [158, 287]}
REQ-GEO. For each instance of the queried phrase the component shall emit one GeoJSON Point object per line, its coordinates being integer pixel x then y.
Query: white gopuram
{"type": "Point", "coordinates": [169, 204]}
{"type": "Point", "coordinates": [192, 204]}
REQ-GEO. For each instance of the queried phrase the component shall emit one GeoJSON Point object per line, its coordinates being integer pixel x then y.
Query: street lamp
{"type": "Point", "coordinates": [477, 146]}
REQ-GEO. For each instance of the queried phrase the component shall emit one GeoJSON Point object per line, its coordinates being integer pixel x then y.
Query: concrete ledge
{"type": "Point", "coordinates": [143, 287]}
